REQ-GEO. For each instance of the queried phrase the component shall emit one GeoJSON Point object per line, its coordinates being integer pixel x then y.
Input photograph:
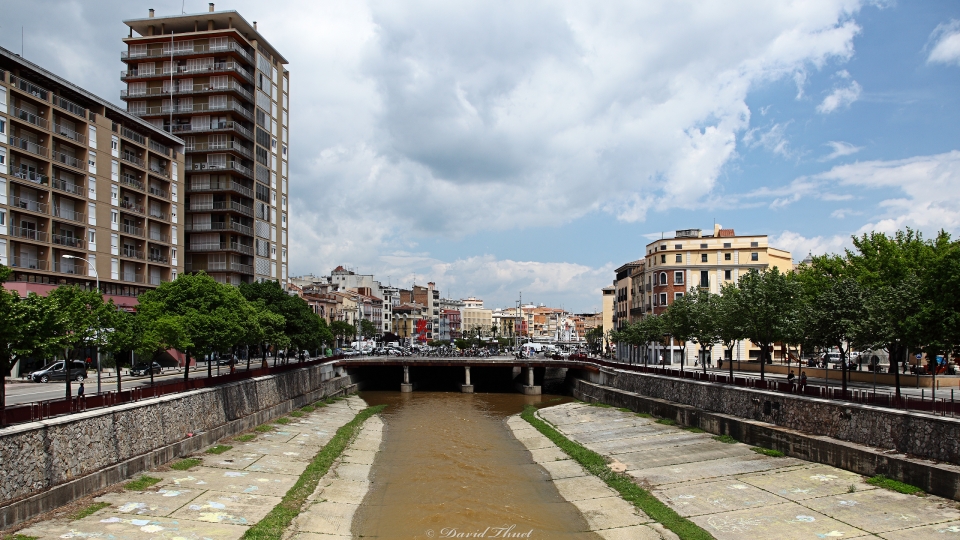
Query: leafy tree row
{"type": "Point", "coordinates": [898, 293]}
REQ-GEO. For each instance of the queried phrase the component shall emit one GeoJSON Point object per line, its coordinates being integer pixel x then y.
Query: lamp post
{"type": "Point", "coordinates": [97, 276]}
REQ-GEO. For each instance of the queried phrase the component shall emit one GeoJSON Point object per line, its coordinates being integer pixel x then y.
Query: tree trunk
{"type": "Point", "coordinates": [248, 357]}
{"type": "Point", "coordinates": [3, 398]}
{"type": "Point", "coordinates": [186, 372]}
{"type": "Point", "coordinates": [843, 371]}
{"type": "Point", "coordinates": [209, 367]}
{"type": "Point", "coordinates": [116, 366]}
{"type": "Point", "coordinates": [763, 362]}
{"type": "Point", "coordinates": [151, 370]}
{"type": "Point", "coordinates": [731, 365]}
{"type": "Point", "coordinates": [263, 355]}
{"type": "Point", "coordinates": [893, 352]}
{"type": "Point", "coordinates": [67, 365]}
{"type": "Point", "coordinates": [703, 357]}
{"type": "Point", "coordinates": [683, 357]}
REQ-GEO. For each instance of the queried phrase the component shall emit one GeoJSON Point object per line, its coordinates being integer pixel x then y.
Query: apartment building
{"type": "Point", "coordinates": [624, 287]}
{"type": "Point", "coordinates": [87, 190]}
{"type": "Point", "coordinates": [212, 79]}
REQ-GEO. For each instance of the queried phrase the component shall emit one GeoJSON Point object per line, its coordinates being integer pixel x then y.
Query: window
{"type": "Point", "coordinates": [703, 257]}
{"type": "Point", "coordinates": [92, 239]}
{"type": "Point", "coordinates": [114, 244]}
{"type": "Point", "coordinates": [114, 220]}
{"type": "Point", "coordinates": [726, 274]}
{"type": "Point", "coordinates": [679, 258]}
{"type": "Point", "coordinates": [92, 187]}
{"type": "Point", "coordinates": [663, 247]}
{"type": "Point", "coordinates": [677, 295]}
{"type": "Point", "coordinates": [92, 161]}
{"type": "Point", "coordinates": [93, 137]}
{"type": "Point", "coordinates": [92, 214]}
{"type": "Point", "coordinates": [663, 278]}
{"type": "Point", "coordinates": [726, 256]}
{"type": "Point", "coordinates": [283, 219]}
{"type": "Point", "coordinates": [663, 259]}
{"type": "Point", "coordinates": [114, 194]}
{"type": "Point", "coordinates": [754, 244]}
{"type": "Point", "coordinates": [114, 269]}
{"type": "Point", "coordinates": [678, 246]}
{"type": "Point", "coordinates": [704, 278]}
{"type": "Point", "coordinates": [663, 299]}
{"type": "Point", "coordinates": [3, 129]}
{"type": "Point", "coordinates": [703, 246]}
{"type": "Point", "coordinates": [115, 171]}
{"type": "Point", "coordinates": [726, 244]}
{"type": "Point", "coordinates": [3, 161]}
{"type": "Point", "coordinates": [114, 146]}
{"type": "Point", "coordinates": [678, 278]}
{"type": "Point", "coordinates": [754, 256]}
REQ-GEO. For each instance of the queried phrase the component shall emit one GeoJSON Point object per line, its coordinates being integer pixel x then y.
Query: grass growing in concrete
{"type": "Point", "coordinates": [666, 421]}
{"type": "Point", "coordinates": [141, 483]}
{"type": "Point", "coordinates": [84, 512]}
{"type": "Point", "coordinates": [282, 420]}
{"type": "Point", "coordinates": [628, 490]}
{"type": "Point", "coordinates": [319, 404]}
{"type": "Point", "coordinates": [219, 449]}
{"type": "Point", "coordinates": [644, 415]}
{"type": "Point", "coordinates": [692, 429]}
{"type": "Point", "coordinates": [272, 526]}
{"type": "Point", "coordinates": [307, 408]}
{"type": "Point", "coordinates": [726, 439]}
{"type": "Point", "coordinates": [20, 537]}
{"type": "Point", "coordinates": [296, 414]}
{"type": "Point", "coordinates": [601, 405]}
{"type": "Point", "coordinates": [263, 428]}
{"type": "Point", "coordinates": [895, 485]}
{"type": "Point", "coordinates": [624, 409]}
{"type": "Point", "coordinates": [246, 437]}
{"type": "Point", "coordinates": [185, 464]}
{"type": "Point", "coordinates": [767, 451]}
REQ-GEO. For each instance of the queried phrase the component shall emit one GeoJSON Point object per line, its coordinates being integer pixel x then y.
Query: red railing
{"type": "Point", "coordinates": [32, 412]}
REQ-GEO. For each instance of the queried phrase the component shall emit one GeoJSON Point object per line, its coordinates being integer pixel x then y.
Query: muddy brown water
{"type": "Point", "coordinates": [450, 466]}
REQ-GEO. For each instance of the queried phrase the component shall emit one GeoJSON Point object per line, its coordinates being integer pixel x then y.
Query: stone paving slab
{"type": "Point", "coordinates": [880, 510]}
{"type": "Point", "coordinates": [583, 487]}
{"type": "Point", "coordinates": [696, 498]}
{"type": "Point", "coordinates": [942, 531]}
{"type": "Point", "coordinates": [785, 521]}
{"type": "Point", "coordinates": [563, 469]}
{"type": "Point", "coordinates": [114, 526]}
{"type": "Point", "coordinates": [159, 503]}
{"type": "Point", "coordinates": [278, 465]}
{"type": "Point", "coordinates": [353, 471]}
{"type": "Point", "coordinates": [610, 512]}
{"type": "Point", "coordinates": [704, 470]}
{"type": "Point", "coordinates": [659, 442]}
{"type": "Point", "coordinates": [635, 532]}
{"type": "Point", "coordinates": [237, 509]}
{"type": "Point", "coordinates": [231, 459]}
{"type": "Point", "coordinates": [809, 482]}
{"type": "Point", "coordinates": [687, 454]}
{"type": "Point", "coordinates": [209, 478]}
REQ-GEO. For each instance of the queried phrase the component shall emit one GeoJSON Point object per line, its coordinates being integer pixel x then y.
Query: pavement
{"type": "Point", "coordinates": [218, 499]}
{"type": "Point", "coordinates": [735, 493]}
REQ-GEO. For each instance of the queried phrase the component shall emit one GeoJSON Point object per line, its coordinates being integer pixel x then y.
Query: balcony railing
{"type": "Point", "coordinates": [132, 253]}
{"type": "Point", "coordinates": [24, 173]}
{"type": "Point", "coordinates": [181, 90]}
{"type": "Point", "coordinates": [29, 88]}
{"type": "Point", "coordinates": [132, 206]}
{"type": "Point", "coordinates": [164, 52]}
{"type": "Point", "coordinates": [224, 266]}
{"type": "Point", "coordinates": [158, 258]}
{"type": "Point", "coordinates": [159, 192]}
{"type": "Point", "coordinates": [132, 278]}
{"type": "Point", "coordinates": [159, 148]}
{"type": "Point", "coordinates": [158, 214]}
{"type": "Point", "coordinates": [69, 215]}
{"type": "Point", "coordinates": [133, 136]}
{"type": "Point", "coordinates": [220, 226]}
{"type": "Point", "coordinates": [68, 187]}
{"type": "Point", "coordinates": [158, 170]}
{"type": "Point", "coordinates": [220, 186]}
{"type": "Point", "coordinates": [29, 117]}
{"type": "Point", "coordinates": [214, 126]}
{"type": "Point", "coordinates": [27, 204]}
{"type": "Point", "coordinates": [216, 67]}
{"type": "Point", "coordinates": [29, 234]}
{"type": "Point", "coordinates": [219, 147]}
{"type": "Point", "coordinates": [71, 161]}
{"type": "Point", "coordinates": [159, 237]}
{"type": "Point", "coordinates": [69, 241]}
{"type": "Point", "coordinates": [131, 229]}
{"type": "Point", "coordinates": [226, 166]}
{"type": "Point", "coordinates": [29, 146]}
{"type": "Point", "coordinates": [221, 246]}
{"type": "Point", "coordinates": [130, 180]}
{"type": "Point", "coordinates": [193, 108]}
{"type": "Point", "coordinates": [28, 263]}
{"type": "Point", "coordinates": [69, 133]}
{"type": "Point", "coordinates": [130, 157]}
{"type": "Point", "coordinates": [68, 267]}
{"type": "Point", "coordinates": [70, 106]}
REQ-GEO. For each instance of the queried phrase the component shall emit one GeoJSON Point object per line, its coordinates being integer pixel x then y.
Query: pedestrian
{"type": "Point", "coordinates": [719, 363]}
{"type": "Point", "coordinates": [80, 391]}
{"type": "Point", "coordinates": [790, 379]}
{"type": "Point", "coordinates": [803, 380]}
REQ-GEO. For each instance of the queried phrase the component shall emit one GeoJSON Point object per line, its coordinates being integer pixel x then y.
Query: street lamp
{"type": "Point", "coordinates": [97, 275]}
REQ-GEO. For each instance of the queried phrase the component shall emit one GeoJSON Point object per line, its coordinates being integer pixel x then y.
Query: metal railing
{"type": "Point", "coordinates": [220, 246]}
{"type": "Point", "coordinates": [29, 146]}
{"type": "Point", "coordinates": [68, 187]}
{"type": "Point", "coordinates": [159, 237]}
{"type": "Point", "coordinates": [231, 86]}
{"type": "Point", "coordinates": [30, 205]}
{"type": "Point", "coordinates": [220, 186]}
{"type": "Point", "coordinates": [226, 166]}
{"type": "Point", "coordinates": [132, 253]}
{"type": "Point", "coordinates": [69, 215]}
{"type": "Point", "coordinates": [130, 157]}
{"type": "Point", "coordinates": [220, 226]}
{"type": "Point", "coordinates": [214, 126]}
{"type": "Point", "coordinates": [71, 161]}
{"type": "Point", "coordinates": [232, 46]}
{"type": "Point", "coordinates": [28, 263]}
{"type": "Point", "coordinates": [67, 267]}
{"type": "Point", "coordinates": [215, 67]}
{"type": "Point", "coordinates": [131, 229]}
{"type": "Point", "coordinates": [69, 241]}
{"type": "Point", "coordinates": [29, 234]}
{"type": "Point", "coordinates": [132, 206]}
{"type": "Point", "coordinates": [224, 146]}
{"type": "Point", "coordinates": [159, 148]}
{"type": "Point", "coordinates": [157, 213]}
{"type": "Point", "coordinates": [133, 136]}
{"type": "Point", "coordinates": [132, 278]}
{"type": "Point", "coordinates": [158, 257]}
{"type": "Point", "coordinates": [130, 180]}
{"type": "Point", "coordinates": [70, 106]}
{"type": "Point", "coordinates": [64, 131]}
{"type": "Point", "coordinates": [24, 173]}
{"type": "Point", "coordinates": [159, 192]}
{"type": "Point", "coordinates": [158, 170]}
{"type": "Point", "coordinates": [29, 87]}
{"type": "Point", "coordinates": [29, 117]}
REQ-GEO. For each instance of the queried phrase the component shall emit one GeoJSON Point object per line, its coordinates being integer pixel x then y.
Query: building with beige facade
{"type": "Point", "coordinates": [87, 190]}
{"type": "Point", "coordinates": [214, 80]}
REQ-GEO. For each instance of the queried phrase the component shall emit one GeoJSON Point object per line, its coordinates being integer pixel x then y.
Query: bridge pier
{"type": "Point", "coordinates": [467, 387]}
{"type": "Point", "coordinates": [405, 386]}
{"type": "Point", "coordinates": [530, 389]}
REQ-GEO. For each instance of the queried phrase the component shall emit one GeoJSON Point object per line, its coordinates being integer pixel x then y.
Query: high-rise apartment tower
{"type": "Point", "coordinates": [213, 80]}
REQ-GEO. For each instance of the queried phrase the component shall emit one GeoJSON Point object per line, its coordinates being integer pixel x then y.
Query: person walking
{"type": "Point", "coordinates": [803, 380]}
{"type": "Point", "coordinates": [790, 379]}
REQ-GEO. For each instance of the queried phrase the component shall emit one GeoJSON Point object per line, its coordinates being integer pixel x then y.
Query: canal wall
{"type": "Point", "coordinates": [864, 439]}
{"type": "Point", "coordinates": [50, 463]}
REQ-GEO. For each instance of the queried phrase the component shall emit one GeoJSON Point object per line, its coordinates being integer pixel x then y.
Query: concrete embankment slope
{"type": "Point", "coordinates": [907, 446]}
{"type": "Point", "coordinates": [53, 462]}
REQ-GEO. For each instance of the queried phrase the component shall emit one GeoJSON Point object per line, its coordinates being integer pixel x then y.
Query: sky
{"type": "Point", "coordinates": [502, 147]}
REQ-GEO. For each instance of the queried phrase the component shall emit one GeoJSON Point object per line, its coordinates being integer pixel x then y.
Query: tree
{"type": "Point", "coordinates": [680, 321]}
{"type": "Point", "coordinates": [705, 313]}
{"type": "Point", "coordinates": [75, 323]}
{"type": "Point", "coordinates": [594, 338]}
{"type": "Point", "coordinates": [301, 325]}
{"type": "Point", "coordinates": [765, 307]}
{"type": "Point", "coordinates": [15, 335]}
{"type": "Point", "coordinates": [939, 316]}
{"type": "Point", "coordinates": [729, 326]}
{"type": "Point", "coordinates": [367, 329]}
{"type": "Point", "coordinates": [342, 329]}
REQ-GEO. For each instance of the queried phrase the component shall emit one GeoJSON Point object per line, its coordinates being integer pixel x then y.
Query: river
{"type": "Point", "coordinates": [449, 466]}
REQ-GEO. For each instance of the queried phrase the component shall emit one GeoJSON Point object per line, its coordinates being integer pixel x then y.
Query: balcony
{"type": "Point", "coordinates": [68, 267]}
{"type": "Point", "coordinates": [159, 148]}
{"type": "Point", "coordinates": [28, 263]}
{"type": "Point", "coordinates": [224, 205]}
{"type": "Point", "coordinates": [231, 46]}
{"type": "Point", "coordinates": [220, 226]}
{"type": "Point", "coordinates": [68, 241]}
{"type": "Point", "coordinates": [132, 253]}
{"type": "Point", "coordinates": [158, 192]}
{"type": "Point", "coordinates": [158, 214]}
{"type": "Point", "coordinates": [67, 187]}
{"type": "Point", "coordinates": [130, 180]}
{"type": "Point", "coordinates": [132, 230]}
{"type": "Point", "coordinates": [158, 258]}
{"type": "Point", "coordinates": [130, 157]}
{"type": "Point", "coordinates": [184, 90]}
{"type": "Point", "coordinates": [197, 187]}
{"type": "Point", "coordinates": [69, 133]}
{"type": "Point", "coordinates": [71, 161]}
{"type": "Point", "coordinates": [70, 107]}
{"type": "Point", "coordinates": [224, 266]}
{"type": "Point", "coordinates": [132, 278]}
{"type": "Point", "coordinates": [132, 206]}
{"type": "Point", "coordinates": [68, 215]}
{"type": "Point", "coordinates": [233, 146]}
{"type": "Point", "coordinates": [193, 109]}
{"type": "Point", "coordinates": [220, 246]}
{"type": "Point", "coordinates": [158, 170]}
{"type": "Point", "coordinates": [209, 69]}
{"type": "Point", "coordinates": [226, 166]}
{"type": "Point", "coordinates": [133, 136]}
{"type": "Point", "coordinates": [29, 205]}
{"type": "Point", "coordinates": [214, 127]}
{"type": "Point", "coordinates": [29, 117]}
{"type": "Point", "coordinates": [28, 234]}
{"type": "Point", "coordinates": [159, 237]}
{"type": "Point", "coordinates": [24, 173]}
{"type": "Point", "coordinates": [30, 88]}
{"type": "Point", "coordinates": [28, 146]}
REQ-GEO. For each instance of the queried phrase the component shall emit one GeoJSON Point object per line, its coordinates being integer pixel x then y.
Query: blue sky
{"type": "Point", "coordinates": [494, 147]}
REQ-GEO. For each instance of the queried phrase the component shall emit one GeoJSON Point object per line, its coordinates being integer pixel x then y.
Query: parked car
{"type": "Point", "coordinates": [144, 369]}
{"type": "Point", "coordinates": [56, 372]}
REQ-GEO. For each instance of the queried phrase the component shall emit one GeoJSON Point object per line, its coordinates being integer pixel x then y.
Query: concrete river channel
{"type": "Point", "coordinates": [449, 465]}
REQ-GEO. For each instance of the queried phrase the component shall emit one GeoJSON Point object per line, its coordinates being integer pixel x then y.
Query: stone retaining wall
{"type": "Point", "coordinates": [911, 433]}
{"type": "Point", "coordinates": [76, 454]}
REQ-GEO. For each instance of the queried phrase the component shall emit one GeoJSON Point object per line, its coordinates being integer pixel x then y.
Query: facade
{"type": "Point", "coordinates": [407, 323]}
{"type": "Point", "coordinates": [212, 79]}
{"type": "Point", "coordinates": [608, 308]}
{"type": "Point", "coordinates": [87, 190]}
{"type": "Point", "coordinates": [474, 318]}
{"type": "Point", "coordinates": [623, 284]}
{"type": "Point", "coordinates": [450, 325]}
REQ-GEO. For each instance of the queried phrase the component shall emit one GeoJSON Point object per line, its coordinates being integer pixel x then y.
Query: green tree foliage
{"type": "Point", "coordinates": [343, 330]}
{"type": "Point", "coordinates": [767, 305]}
{"type": "Point", "coordinates": [367, 329]}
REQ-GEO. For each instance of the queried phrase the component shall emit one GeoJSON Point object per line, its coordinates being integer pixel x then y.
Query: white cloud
{"type": "Point", "coordinates": [841, 96]}
{"type": "Point", "coordinates": [841, 213]}
{"type": "Point", "coordinates": [946, 43]}
{"type": "Point", "coordinates": [840, 149]}
{"type": "Point", "coordinates": [800, 246]}
{"type": "Point", "coordinates": [773, 139]}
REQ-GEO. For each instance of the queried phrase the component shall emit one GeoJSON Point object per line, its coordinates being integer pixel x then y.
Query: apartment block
{"type": "Point", "coordinates": [87, 190]}
{"type": "Point", "coordinates": [212, 79]}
